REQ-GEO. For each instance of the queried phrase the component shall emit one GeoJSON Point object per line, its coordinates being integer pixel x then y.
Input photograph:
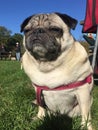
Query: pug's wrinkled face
{"type": "Point", "coordinates": [43, 34]}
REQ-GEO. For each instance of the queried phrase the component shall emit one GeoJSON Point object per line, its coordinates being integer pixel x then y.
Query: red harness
{"type": "Point", "coordinates": [39, 96]}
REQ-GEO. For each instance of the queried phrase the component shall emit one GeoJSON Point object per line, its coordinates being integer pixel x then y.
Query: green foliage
{"type": "Point", "coordinates": [4, 35]}
{"type": "Point", "coordinates": [9, 40]}
{"type": "Point", "coordinates": [4, 31]}
{"type": "Point", "coordinates": [17, 111]}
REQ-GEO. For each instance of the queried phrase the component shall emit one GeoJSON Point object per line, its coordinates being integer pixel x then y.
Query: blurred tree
{"type": "Point", "coordinates": [4, 31]}
{"type": "Point", "coordinates": [4, 35]}
{"type": "Point", "coordinates": [11, 42]}
{"type": "Point", "coordinates": [18, 37]}
{"type": "Point", "coordinates": [8, 40]}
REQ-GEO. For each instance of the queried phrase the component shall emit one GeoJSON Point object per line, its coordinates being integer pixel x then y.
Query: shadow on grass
{"type": "Point", "coordinates": [59, 122]}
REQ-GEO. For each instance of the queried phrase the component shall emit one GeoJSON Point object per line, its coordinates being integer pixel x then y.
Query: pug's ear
{"type": "Point", "coordinates": [71, 22]}
{"type": "Point", "coordinates": [25, 22]}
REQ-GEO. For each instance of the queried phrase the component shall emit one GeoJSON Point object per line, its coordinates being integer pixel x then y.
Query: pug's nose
{"type": "Point", "coordinates": [39, 31]}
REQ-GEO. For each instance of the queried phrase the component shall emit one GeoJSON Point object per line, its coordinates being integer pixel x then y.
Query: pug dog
{"type": "Point", "coordinates": [57, 65]}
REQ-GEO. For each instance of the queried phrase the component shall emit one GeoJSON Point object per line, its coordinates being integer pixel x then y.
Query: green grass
{"type": "Point", "coordinates": [16, 110]}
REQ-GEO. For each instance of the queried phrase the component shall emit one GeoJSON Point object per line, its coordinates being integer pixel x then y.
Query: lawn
{"type": "Point", "coordinates": [16, 109]}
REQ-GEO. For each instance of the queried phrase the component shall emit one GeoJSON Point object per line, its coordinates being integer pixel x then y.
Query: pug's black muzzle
{"type": "Point", "coordinates": [43, 46]}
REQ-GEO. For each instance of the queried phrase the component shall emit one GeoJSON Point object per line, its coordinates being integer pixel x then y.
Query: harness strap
{"type": "Point", "coordinates": [88, 80]}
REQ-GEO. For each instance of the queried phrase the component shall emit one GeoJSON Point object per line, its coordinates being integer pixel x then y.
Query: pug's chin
{"type": "Point", "coordinates": [41, 59]}
{"type": "Point", "coordinates": [44, 57]}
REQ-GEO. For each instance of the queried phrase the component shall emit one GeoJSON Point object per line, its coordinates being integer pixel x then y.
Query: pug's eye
{"type": "Point", "coordinates": [27, 30]}
{"type": "Point", "coordinates": [56, 31]}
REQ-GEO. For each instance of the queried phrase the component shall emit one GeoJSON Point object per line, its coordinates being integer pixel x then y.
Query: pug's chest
{"type": "Point", "coordinates": [52, 80]}
{"type": "Point", "coordinates": [62, 101]}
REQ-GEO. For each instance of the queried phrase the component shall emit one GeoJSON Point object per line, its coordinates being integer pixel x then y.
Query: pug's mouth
{"type": "Point", "coordinates": [43, 53]}
{"type": "Point", "coordinates": [39, 52]}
